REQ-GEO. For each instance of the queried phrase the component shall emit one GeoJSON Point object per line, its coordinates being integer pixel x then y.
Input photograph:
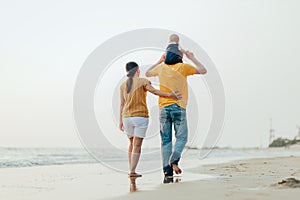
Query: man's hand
{"type": "Point", "coordinates": [200, 68]}
{"type": "Point", "coordinates": [162, 59]}
{"type": "Point", "coordinates": [121, 127]}
{"type": "Point", "coordinates": [190, 55]}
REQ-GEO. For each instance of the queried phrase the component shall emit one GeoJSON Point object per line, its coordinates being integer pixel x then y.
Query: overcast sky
{"type": "Point", "coordinates": [254, 44]}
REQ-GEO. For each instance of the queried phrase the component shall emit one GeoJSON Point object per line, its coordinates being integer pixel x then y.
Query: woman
{"type": "Point", "coordinates": [134, 112]}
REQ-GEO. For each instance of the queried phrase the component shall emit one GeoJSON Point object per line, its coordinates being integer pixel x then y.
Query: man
{"type": "Point", "coordinates": [173, 112]}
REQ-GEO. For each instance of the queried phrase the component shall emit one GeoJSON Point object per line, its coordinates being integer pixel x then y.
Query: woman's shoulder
{"type": "Point", "coordinates": [142, 79]}
{"type": "Point", "coordinates": [141, 82]}
{"type": "Point", "coordinates": [123, 85]}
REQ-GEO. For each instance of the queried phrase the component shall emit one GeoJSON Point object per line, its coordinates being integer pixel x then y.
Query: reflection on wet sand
{"type": "Point", "coordinates": [167, 179]}
{"type": "Point", "coordinates": [133, 187]}
{"type": "Point", "coordinates": [171, 179]}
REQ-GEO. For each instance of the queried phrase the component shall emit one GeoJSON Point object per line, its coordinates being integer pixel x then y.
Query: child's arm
{"type": "Point", "coordinates": [183, 51]}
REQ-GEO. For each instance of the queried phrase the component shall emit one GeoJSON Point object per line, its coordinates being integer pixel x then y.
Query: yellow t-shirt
{"type": "Point", "coordinates": [135, 101]}
{"type": "Point", "coordinates": [173, 78]}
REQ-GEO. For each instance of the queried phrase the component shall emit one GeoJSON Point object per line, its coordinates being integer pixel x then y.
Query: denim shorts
{"type": "Point", "coordinates": [135, 126]}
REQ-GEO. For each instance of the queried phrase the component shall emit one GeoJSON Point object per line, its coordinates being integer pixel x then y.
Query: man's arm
{"type": "Point", "coordinates": [161, 60]}
{"type": "Point", "coordinates": [200, 69]}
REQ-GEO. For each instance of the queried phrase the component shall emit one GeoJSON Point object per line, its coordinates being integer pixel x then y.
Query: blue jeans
{"type": "Point", "coordinates": [170, 115]}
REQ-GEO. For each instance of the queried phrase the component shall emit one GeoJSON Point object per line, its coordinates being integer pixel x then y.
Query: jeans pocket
{"type": "Point", "coordinates": [163, 115]}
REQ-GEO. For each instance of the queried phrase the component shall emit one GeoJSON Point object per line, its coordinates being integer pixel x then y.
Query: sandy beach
{"type": "Point", "coordinates": [248, 179]}
{"type": "Point", "coordinates": [243, 179]}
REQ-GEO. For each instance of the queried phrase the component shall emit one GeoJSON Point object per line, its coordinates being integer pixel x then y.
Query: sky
{"type": "Point", "coordinates": [254, 44]}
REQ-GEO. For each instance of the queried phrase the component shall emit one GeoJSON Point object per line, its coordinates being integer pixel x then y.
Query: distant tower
{"type": "Point", "coordinates": [272, 132]}
{"type": "Point", "coordinates": [298, 136]}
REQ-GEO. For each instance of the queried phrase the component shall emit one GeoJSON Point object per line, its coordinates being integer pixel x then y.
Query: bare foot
{"type": "Point", "coordinates": [176, 169]}
{"type": "Point", "coordinates": [134, 175]}
{"type": "Point", "coordinates": [177, 180]}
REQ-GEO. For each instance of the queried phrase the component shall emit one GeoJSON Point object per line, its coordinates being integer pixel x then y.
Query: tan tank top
{"type": "Point", "coordinates": [135, 101]}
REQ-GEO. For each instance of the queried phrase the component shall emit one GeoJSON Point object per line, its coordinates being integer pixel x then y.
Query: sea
{"type": "Point", "coordinates": [29, 157]}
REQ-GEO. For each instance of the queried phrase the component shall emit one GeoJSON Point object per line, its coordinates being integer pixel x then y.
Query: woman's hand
{"type": "Point", "coordinates": [121, 127]}
{"type": "Point", "coordinates": [176, 95]}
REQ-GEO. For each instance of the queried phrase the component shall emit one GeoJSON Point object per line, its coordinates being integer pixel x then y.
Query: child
{"type": "Point", "coordinates": [174, 52]}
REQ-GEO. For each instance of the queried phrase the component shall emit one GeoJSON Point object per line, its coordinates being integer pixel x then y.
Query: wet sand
{"type": "Point", "coordinates": [239, 180]}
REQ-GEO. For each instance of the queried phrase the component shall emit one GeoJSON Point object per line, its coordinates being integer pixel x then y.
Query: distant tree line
{"type": "Point", "coordinates": [282, 142]}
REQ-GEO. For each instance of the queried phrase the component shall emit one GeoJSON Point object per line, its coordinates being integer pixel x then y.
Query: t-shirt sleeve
{"type": "Point", "coordinates": [145, 83]}
{"type": "Point", "coordinates": [156, 70]}
{"type": "Point", "coordinates": [189, 70]}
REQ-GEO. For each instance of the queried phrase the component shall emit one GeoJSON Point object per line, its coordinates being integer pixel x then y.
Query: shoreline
{"type": "Point", "coordinates": [255, 178]}
{"type": "Point", "coordinates": [94, 181]}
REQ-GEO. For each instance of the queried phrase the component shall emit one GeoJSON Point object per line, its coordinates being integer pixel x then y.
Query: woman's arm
{"type": "Point", "coordinates": [174, 95]}
{"type": "Point", "coordinates": [122, 101]}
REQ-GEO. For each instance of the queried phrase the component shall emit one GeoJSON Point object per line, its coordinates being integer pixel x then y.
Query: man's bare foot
{"type": "Point", "coordinates": [177, 180]}
{"type": "Point", "coordinates": [176, 169]}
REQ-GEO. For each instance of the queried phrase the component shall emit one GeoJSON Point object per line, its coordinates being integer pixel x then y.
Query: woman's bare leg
{"type": "Point", "coordinates": [136, 152]}
{"type": "Point", "coordinates": [130, 147]}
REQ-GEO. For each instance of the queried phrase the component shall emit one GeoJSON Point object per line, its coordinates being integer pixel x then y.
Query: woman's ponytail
{"type": "Point", "coordinates": [131, 69]}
